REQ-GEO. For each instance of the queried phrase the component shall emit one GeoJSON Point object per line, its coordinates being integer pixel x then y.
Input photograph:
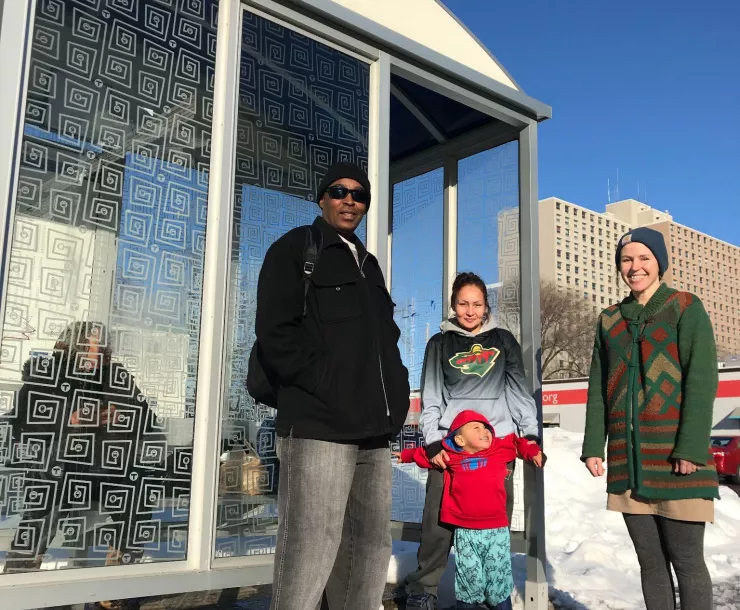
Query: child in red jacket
{"type": "Point", "coordinates": [474, 501]}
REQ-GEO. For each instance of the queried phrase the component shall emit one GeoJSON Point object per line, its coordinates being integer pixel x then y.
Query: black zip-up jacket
{"type": "Point", "coordinates": [339, 367]}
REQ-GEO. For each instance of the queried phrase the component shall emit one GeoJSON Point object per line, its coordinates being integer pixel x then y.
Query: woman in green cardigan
{"type": "Point", "coordinates": [651, 393]}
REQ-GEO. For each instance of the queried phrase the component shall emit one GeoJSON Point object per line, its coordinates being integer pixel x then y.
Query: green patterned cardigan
{"type": "Point", "coordinates": [651, 392]}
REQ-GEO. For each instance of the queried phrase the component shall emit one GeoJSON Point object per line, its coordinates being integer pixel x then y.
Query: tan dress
{"type": "Point", "coordinates": [694, 509]}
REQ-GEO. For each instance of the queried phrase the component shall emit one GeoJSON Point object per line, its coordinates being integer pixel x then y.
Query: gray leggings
{"type": "Point", "coordinates": [661, 543]}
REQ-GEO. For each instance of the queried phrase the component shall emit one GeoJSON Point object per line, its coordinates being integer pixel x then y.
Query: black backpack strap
{"type": "Point", "coordinates": [311, 250]}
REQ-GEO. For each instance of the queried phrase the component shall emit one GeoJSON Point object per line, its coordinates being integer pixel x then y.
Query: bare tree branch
{"type": "Point", "coordinates": [568, 325]}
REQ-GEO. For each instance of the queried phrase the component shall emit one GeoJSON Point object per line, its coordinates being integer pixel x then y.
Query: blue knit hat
{"type": "Point", "coordinates": [649, 237]}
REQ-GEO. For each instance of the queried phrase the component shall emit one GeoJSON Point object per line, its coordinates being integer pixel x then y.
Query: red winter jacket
{"type": "Point", "coordinates": [474, 494]}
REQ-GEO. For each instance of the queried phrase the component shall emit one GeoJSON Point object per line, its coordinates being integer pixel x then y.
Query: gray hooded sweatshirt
{"type": "Point", "coordinates": [482, 372]}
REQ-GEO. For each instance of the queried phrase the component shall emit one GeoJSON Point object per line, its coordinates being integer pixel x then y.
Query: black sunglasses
{"type": "Point", "coordinates": [337, 191]}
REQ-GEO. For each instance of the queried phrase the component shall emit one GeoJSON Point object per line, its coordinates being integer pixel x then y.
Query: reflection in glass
{"type": "Point", "coordinates": [488, 227]}
{"type": "Point", "coordinates": [488, 244]}
{"type": "Point", "coordinates": [417, 258]}
{"type": "Point", "coordinates": [417, 285]}
{"type": "Point", "coordinates": [302, 106]}
{"type": "Point", "coordinates": [102, 300]}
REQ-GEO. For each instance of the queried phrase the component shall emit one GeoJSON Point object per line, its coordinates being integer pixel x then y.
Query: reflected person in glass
{"type": "Point", "coordinates": [343, 394]}
{"type": "Point", "coordinates": [78, 415]}
{"type": "Point", "coordinates": [471, 364]}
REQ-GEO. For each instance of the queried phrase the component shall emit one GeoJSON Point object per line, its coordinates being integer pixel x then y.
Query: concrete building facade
{"type": "Point", "coordinates": [577, 251]}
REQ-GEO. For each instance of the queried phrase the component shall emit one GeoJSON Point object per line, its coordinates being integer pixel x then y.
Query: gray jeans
{"type": "Point", "coordinates": [334, 537]}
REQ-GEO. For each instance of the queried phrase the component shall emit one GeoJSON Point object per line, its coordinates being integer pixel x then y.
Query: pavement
{"type": "Point", "coordinates": [245, 598]}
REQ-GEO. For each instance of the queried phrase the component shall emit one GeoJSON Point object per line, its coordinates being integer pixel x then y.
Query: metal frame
{"type": "Point", "coordinates": [202, 522]}
{"type": "Point", "coordinates": [15, 34]}
{"type": "Point", "coordinates": [378, 221]}
{"type": "Point", "coordinates": [449, 266]}
{"type": "Point", "coordinates": [387, 52]}
{"type": "Point", "coordinates": [536, 590]}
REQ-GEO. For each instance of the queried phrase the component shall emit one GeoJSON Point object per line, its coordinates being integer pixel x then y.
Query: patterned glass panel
{"type": "Point", "coordinates": [416, 288]}
{"type": "Point", "coordinates": [302, 107]}
{"type": "Point", "coordinates": [102, 300]}
{"type": "Point", "coordinates": [488, 244]}
{"type": "Point", "coordinates": [488, 227]}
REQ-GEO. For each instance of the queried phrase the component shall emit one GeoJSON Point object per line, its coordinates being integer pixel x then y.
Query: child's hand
{"type": "Point", "coordinates": [539, 459]}
{"type": "Point", "coordinates": [396, 455]}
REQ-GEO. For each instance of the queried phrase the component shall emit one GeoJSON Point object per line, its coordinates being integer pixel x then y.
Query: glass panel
{"type": "Point", "coordinates": [416, 288]}
{"type": "Point", "coordinates": [488, 227]}
{"type": "Point", "coordinates": [488, 223]}
{"type": "Point", "coordinates": [102, 310]}
{"type": "Point", "coordinates": [302, 107]}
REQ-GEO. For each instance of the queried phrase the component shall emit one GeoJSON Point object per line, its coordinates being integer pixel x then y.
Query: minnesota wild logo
{"type": "Point", "coordinates": [478, 361]}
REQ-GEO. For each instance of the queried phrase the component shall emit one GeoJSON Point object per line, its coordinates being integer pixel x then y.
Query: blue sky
{"type": "Point", "coordinates": [649, 88]}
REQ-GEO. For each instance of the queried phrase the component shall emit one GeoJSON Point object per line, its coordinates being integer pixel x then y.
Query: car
{"type": "Point", "coordinates": [726, 451]}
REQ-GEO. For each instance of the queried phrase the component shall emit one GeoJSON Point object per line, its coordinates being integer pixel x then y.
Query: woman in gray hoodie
{"type": "Point", "coordinates": [471, 364]}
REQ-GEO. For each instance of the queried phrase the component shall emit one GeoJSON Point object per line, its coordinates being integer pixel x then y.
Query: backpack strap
{"type": "Point", "coordinates": [311, 250]}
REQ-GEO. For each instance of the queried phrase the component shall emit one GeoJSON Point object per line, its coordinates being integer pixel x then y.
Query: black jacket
{"type": "Point", "coordinates": [339, 368]}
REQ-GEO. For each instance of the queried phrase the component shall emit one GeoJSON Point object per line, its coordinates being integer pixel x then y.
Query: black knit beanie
{"type": "Point", "coordinates": [340, 170]}
{"type": "Point", "coordinates": [652, 239]}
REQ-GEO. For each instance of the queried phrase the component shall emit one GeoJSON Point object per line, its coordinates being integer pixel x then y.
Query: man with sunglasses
{"type": "Point", "coordinates": [343, 394]}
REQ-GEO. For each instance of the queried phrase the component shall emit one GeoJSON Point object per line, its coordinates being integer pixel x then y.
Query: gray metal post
{"type": "Point", "coordinates": [449, 264]}
{"type": "Point", "coordinates": [536, 593]}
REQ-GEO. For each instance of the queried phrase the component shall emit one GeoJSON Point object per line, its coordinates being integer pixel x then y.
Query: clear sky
{"type": "Point", "coordinates": [650, 88]}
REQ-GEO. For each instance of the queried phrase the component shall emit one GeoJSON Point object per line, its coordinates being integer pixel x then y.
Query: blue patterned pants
{"type": "Point", "coordinates": [483, 566]}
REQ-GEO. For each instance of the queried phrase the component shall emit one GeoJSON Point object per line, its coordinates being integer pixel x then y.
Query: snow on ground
{"type": "Point", "coordinates": [591, 561]}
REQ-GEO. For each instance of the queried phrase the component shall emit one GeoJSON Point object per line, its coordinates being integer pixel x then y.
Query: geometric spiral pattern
{"type": "Point", "coordinates": [488, 227]}
{"type": "Point", "coordinates": [302, 106]}
{"type": "Point", "coordinates": [101, 330]}
{"type": "Point", "coordinates": [416, 288]}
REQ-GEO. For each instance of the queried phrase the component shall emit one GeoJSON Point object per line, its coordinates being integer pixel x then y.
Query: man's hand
{"type": "Point", "coordinates": [396, 455]}
{"type": "Point", "coordinates": [681, 466]}
{"type": "Point", "coordinates": [539, 460]}
{"type": "Point", "coordinates": [440, 460]}
{"type": "Point", "coordinates": [595, 466]}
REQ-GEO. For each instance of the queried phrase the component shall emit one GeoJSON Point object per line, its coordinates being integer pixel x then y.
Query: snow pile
{"type": "Point", "coordinates": [591, 559]}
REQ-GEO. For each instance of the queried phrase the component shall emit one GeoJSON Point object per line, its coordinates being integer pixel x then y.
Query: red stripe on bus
{"type": "Point", "coordinates": [730, 388]}
{"type": "Point", "coordinates": [564, 397]}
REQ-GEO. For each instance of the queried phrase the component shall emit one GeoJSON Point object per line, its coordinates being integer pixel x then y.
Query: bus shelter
{"type": "Point", "coordinates": [152, 151]}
